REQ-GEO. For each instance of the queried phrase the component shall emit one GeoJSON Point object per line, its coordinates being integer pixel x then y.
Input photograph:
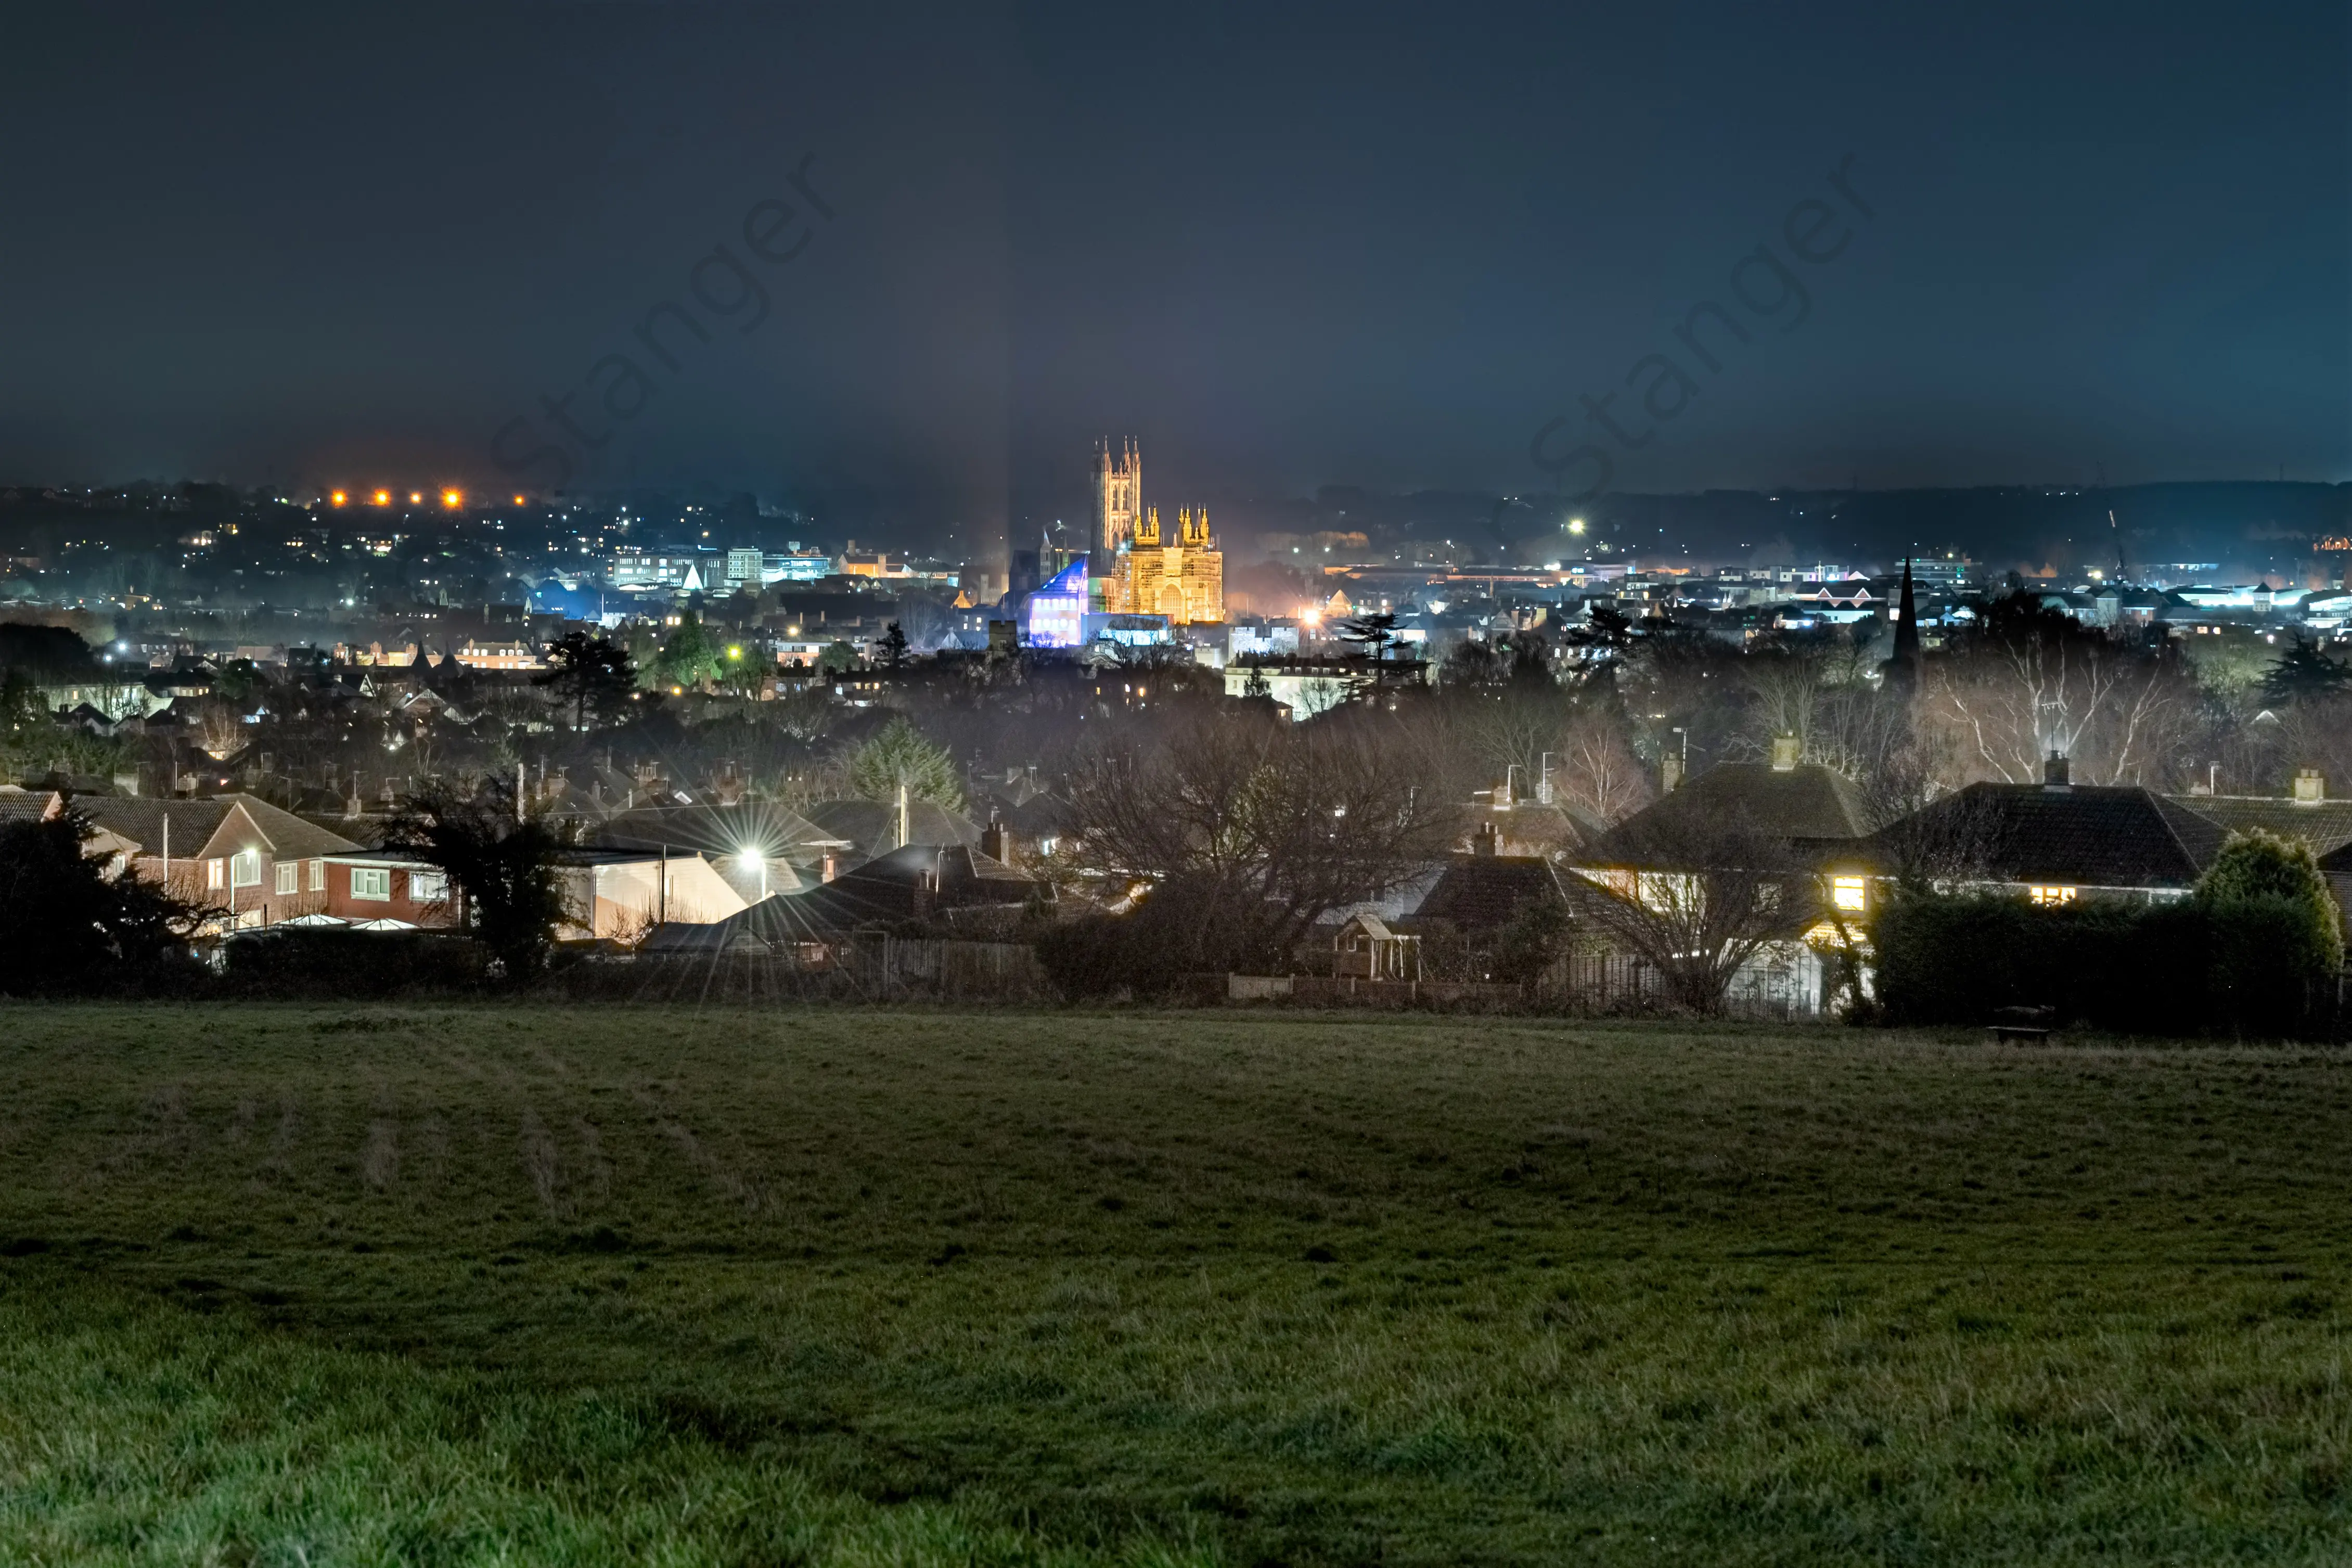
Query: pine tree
{"type": "Point", "coordinates": [899, 755]}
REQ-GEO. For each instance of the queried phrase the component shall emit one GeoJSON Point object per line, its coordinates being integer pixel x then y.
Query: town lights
{"type": "Point", "coordinates": [338, 499]}
{"type": "Point", "coordinates": [453, 499]}
{"type": "Point", "coordinates": [417, 497]}
{"type": "Point", "coordinates": [1576, 525]}
{"type": "Point", "coordinates": [518, 501]}
{"type": "Point", "coordinates": [383, 498]}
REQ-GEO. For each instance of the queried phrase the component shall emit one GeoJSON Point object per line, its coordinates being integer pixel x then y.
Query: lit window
{"type": "Point", "coordinates": [245, 868]}
{"type": "Point", "coordinates": [289, 876]}
{"type": "Point", "coordinates": [215, 873]}
{"type": "Point", "coordinates": [1846, 893]}
{"type": "Point", "coordinates": [371, 882]}
{"type": "Point", "coordinates": [427, 886]}
{"type": "Point", "coordinates": [318, 876]}
{"type": "Point", "coordinates": [2054, 896]}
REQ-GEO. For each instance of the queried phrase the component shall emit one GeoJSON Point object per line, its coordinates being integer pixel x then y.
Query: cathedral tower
{"type": "Point", "coordinates": [1118, 502]}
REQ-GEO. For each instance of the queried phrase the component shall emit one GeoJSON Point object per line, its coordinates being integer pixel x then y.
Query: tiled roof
{"type": "Point", "coordinates": [719, 829]}
{"type": "Point", "coordinates": [883, 892]}
{"type": "Point", "coordinates": [30, 805]}
{"type": "Point", "coordinates": [1479, 892]}
{"type": "Point", "coordinates": [2086, 835]}
{"type": "Point", "coordinates": [2325, 826]}
{"type": "Point", "coordinates": [1807, 803]}
{"type": "Point", "coordinates": [872, 825]}
{"type": "Point", "coordinates": [193, 823]}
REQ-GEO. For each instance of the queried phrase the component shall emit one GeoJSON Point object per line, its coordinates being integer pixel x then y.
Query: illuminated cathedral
{"type": "Point", "coordinates": [1138, 571]}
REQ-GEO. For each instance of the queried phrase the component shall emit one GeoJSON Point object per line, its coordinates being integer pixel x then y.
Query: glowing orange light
{"type": "Point", "coordinates": [417, 497]}
{"type": "Point", "coordinates": [451, 498]}
{"type": "Point", "coordinates": [383, 498]}
{"type": "Point", "coordinates": [338, 497]}
{"type": "Point", "coordinates": [518, 501]}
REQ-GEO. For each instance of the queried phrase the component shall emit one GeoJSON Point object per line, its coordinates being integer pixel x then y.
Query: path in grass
{"type": "Point", "coordinates": [1257, 1287]}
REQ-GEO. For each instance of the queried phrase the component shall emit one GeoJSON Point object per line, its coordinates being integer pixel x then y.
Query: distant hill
{"type": "Point", "coordinates": [2240, 530]}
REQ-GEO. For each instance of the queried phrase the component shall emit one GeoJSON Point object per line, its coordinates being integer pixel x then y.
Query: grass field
{"type": "Point", "coordinates": [307, 1286]}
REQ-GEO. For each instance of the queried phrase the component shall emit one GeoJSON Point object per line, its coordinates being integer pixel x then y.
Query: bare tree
{"type": "Point", "coordinates": [1595, 768]}
{"type": "Point", "coordinates": [1696, 899]}
{"type": "Point", "coordinates": [1271, 824]}
{"type": "Point", "coordinates": [2030, 681]}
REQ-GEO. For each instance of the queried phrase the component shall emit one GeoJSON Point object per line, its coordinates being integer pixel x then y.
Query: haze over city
{"type": "Point", "coordinates": [1283, 251]}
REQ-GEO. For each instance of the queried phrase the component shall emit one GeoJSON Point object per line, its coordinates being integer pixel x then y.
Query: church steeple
{"type": "Point", "coordinates": [1904, 666]}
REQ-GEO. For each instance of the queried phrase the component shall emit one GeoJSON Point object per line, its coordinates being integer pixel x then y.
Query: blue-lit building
{"type": "Point", "coordinates": [1055, 615]}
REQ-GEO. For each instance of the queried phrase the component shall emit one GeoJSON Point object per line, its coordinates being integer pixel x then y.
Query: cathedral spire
{"type": "Point", "coordinates": [1904, 666]}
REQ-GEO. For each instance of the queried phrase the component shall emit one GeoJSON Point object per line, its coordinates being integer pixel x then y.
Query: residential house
{"type": "Point", "coordinates": [390, 889]}
{"type": "Point", "coordinates": [235, 854]}
{"type": "Point", "coordinates": [1806, 821]}
{"type": "Point", "coordinates": [1477, 894]}
{"type": "Point", "coordinates": [620, 894]}
{"type": "Point", "coordinates": [953, 885]}
{"type": "Point", "coordinates": [759, 848]}
{"type": "Point", "coordinates": [2054, 842]}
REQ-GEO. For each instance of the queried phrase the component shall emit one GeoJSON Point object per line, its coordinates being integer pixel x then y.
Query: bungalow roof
{"type": "Point", "coordinates": [2082, 836]}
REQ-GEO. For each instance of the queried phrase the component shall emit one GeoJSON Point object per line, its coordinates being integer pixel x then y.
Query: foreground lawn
{"type": "Point", "coordinates": [427, 1285]}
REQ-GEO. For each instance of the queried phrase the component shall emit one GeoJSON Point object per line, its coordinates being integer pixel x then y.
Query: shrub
{"type": "Point", "coordinates": [2277, 936]}
{"type": "Point", "coordinates": [354, 964]}
{"type": "Point", "coordinates": [1180, 928]}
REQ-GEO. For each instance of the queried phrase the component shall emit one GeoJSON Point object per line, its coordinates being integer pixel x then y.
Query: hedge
{"type": "Point", "coordinates": [2238, 967]}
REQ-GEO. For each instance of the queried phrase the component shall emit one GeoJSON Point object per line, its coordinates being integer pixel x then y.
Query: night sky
{"type": "Point", "coordinates": [1283, 249]}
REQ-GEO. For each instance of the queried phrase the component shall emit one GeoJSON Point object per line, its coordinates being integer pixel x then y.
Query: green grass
{"type": "Point", "coordinates": [506, 1285]}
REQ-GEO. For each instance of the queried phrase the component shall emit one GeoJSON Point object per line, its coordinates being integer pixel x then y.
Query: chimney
{"type": "Point", "coordinates": [2310, 787]}
{"type": "Point", "coordinates": [996, 841]}
{"type": "Point", "coordinates": [2053, 773]}
{"type": "Point", "coordinates": [1786, 748]}
{"type": "Point", "coordinates": [1485, 842]}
